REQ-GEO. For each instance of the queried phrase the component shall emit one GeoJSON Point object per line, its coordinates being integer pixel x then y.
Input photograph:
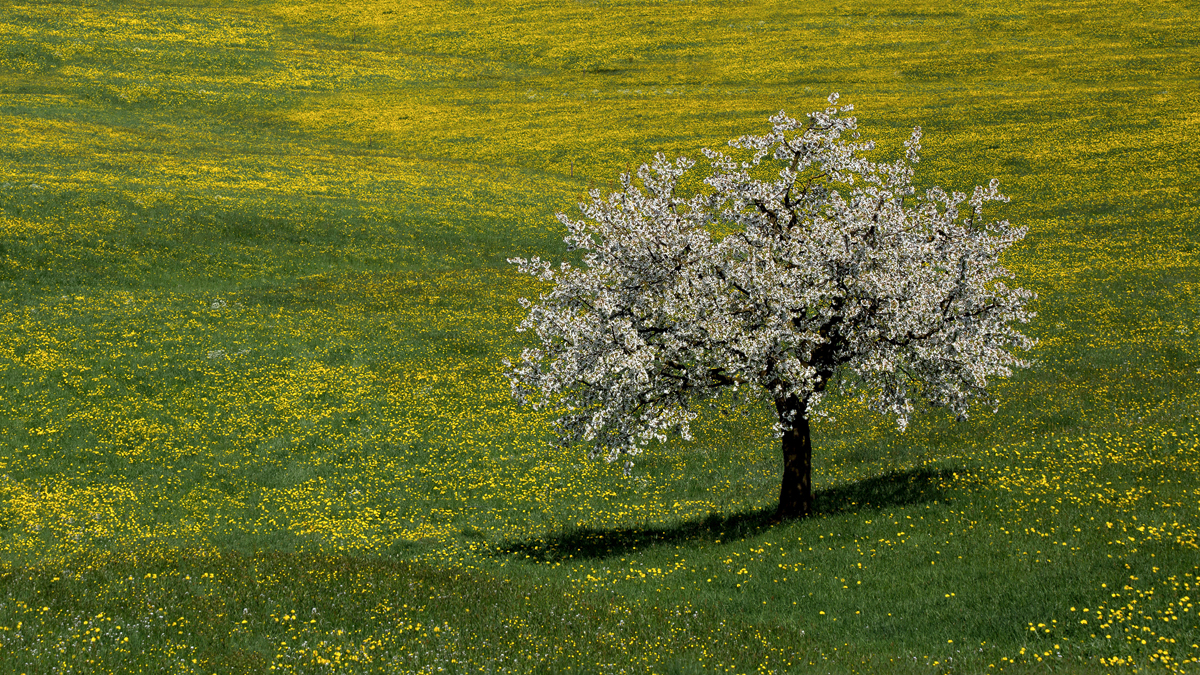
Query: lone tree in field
{"type": "Point", "coordinates": [894, 302]}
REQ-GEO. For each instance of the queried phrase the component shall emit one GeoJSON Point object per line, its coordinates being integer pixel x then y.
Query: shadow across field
{"type": "Point", "coordinates": [901, 488]}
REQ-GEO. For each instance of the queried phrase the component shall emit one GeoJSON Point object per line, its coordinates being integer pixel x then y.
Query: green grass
{"type": "Point", "coordinates": [255, 302]}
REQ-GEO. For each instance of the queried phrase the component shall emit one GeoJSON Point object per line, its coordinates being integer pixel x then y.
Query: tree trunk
{"type": "Point", "coordinates": [795, 492]}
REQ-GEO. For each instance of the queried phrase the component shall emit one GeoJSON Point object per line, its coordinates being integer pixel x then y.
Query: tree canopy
{"type": "Point", "coordinates": [895, 297]}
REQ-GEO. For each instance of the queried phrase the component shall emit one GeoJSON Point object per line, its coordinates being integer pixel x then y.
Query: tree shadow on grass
{"type": "Point", "coordinates": [896, 489]}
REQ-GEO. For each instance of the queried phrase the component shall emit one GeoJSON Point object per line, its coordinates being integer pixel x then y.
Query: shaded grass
{"type": "Point", "coordinates": [890, 491]}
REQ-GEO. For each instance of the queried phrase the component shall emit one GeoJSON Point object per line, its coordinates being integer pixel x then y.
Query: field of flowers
{"type": "Point", "coordinates": [255, 301]}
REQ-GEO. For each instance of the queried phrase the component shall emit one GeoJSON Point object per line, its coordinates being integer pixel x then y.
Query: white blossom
{"type": "Point", "coordinates": [835, 272]}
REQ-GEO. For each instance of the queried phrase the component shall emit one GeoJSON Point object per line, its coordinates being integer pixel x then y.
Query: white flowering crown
{"type": "Point", "coordinates": [901, 300]}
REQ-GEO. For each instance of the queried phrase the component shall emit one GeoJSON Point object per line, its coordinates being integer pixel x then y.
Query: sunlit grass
{"type": "Point", "coordinates": [255, 300]}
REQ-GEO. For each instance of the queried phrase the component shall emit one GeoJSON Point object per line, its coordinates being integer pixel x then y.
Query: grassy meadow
{"type": "Point", "coordinates": [254, 301]}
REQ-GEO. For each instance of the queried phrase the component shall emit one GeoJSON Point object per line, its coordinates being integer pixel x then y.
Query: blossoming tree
{"type": "Point", "coordinates": [898, 302]}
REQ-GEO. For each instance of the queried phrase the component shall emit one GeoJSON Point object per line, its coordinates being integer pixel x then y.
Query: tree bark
{"type": "Point", "coordinates": [795, 491]}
